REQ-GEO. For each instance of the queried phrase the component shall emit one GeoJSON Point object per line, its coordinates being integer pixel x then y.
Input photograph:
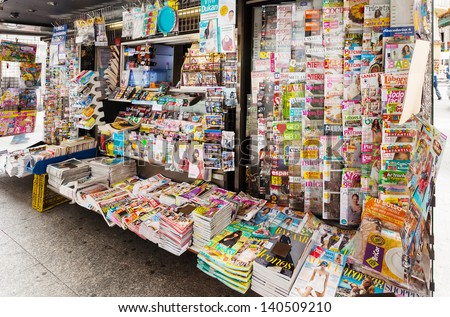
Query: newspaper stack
{"type": "Point", "coordinates": [210, 220]}
{"type": "Point", "coordinates": [67, 171]}
{"type": "Point", "coordinates": [229, 256]}
{"type": "Point", "coordinates": [176, 228]}
{"type": "Point", "coordinates": [70, 189]}
{"type": "Point", "coordinates": [16, 163]}
{"type": "Point", "coordinates": [115, 169]}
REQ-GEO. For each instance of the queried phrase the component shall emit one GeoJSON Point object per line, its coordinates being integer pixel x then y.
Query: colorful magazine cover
{"type": "Point", "coordinates": [283, 253]}
{"type": "Point", "coordinates": [209, 36]}
{"type": "Point", "coordinates": [351, 206]}
{"type": "Point", "coordinates": [354, 15]}
{"type": "Point", "coordinates": [377, 16]}
{"type": "Point", "coordinates": [355, 283]}
{"type": "Point", "coordinates": [17, 52]}
{"type": "Point", "coordinates": [30, 75]}
{"type": "Point", "coordinates": [320, 274]}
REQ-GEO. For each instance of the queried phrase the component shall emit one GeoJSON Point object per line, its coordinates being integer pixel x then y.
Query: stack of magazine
{"type": "Point", "coordinates": [176, 227]}
{"type": "Point", "coordinates": [229, 256]}
{"type": "Point", "coordinates": [278, 264]}
{"type": "Point", "coordinates": [210, 220]}
{"type": "Point", "coordinates": [145, 187]}
{"type": "Point", "coordinates": [104, 201]}
{"type": "Point", "coordinates": [115, 169]}
{"type": "Point", "coordinates": [67, 171]}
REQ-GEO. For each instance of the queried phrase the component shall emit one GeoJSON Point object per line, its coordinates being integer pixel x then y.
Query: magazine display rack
{"type": "Point", "coordinates": [88, 100]}
{"type": "Point", "coordinates": [112, 73]}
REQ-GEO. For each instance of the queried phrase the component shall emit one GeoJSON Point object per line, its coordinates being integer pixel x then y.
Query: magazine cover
{"type": "Point", "coordinates": [425, 163]}
{"type": "Point", "coordinates": [320, 274]}
{"type": "Point", "coordinates": [209, 36]}
{"type": "Point", "coordinates": [196, 162]}
{"type": "Point", "coordinates": [355, 283]}
{"type": "Point", "coordinates": [354, 15]}
{"type": "Point", "coordinates": [377, 16]}
{"type": "Point", "coordinates": [398, 56]}
{"type": "Point", "coordinates": [376, 213]}
{"type": "Point", "coordinates": [226, 244]}
{"type": "Point", "coordinates": [227, 12]}
{"type": "Point", "coordinates": [383, 254]}
{"type": "Point", "coordinates": [30, 75]}
{"type": "Point", "coordinates": [395, 152]}
{"type": "Point", "coordinates": [352, 87]}
{"type": "Point", "coordinates": [371, 131]}
{"type": "Point", "coordinates": [352, 149]}
{"type": "Point", "coordinates": [17, 52]}
{"type": "Point", "coordinates": [10, 98]}
{"type": "Point", "coordinates": [333, 23]}
{"type": "Point", "coordinates": [372, 41]}
{"type": "Point", "coordinates": [351, 206]}
{"type": "Point", "coordinates": [312, 24]}
{"type": "Point", "coordinates": [227, 42]}
{"type": "Point", "coordinates": [282, 253]}
{"type": "Point", "coordinates": [393, 99]}
{"type": "Point", "coordinates": [313, 196]}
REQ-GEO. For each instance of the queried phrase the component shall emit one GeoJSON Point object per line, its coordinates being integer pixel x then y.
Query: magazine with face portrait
{"type": "Point", "coordinates": [399, 135]}
{"type": "Point", "coordinates": [377, 16]}
{"type": "Point", "coordinates": [371, 132]}
{"type": "Point", "coordinates": [209, 36]}
{"type": "Point", "coordinates": [227, 12]}
{"type": "Point", "coordinates": [351, 206]}
{"type": "Point", "coordinates": [397, 56]}
{"type": "Point", "coordinates": [395, 152]}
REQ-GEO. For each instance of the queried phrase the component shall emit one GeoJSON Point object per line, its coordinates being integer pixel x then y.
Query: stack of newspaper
{"type": "Point", "coordinates": [115, 169]}
{"type": "Point", "coordinates": [176, 228]}
{"type": "Point", "coordinates": [67, 171]}
{"type": "Point", "coordinates": [210, 220]}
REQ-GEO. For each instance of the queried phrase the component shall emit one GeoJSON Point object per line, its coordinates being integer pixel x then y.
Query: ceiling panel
{"type": "Point", "coordinates": [45, 14]}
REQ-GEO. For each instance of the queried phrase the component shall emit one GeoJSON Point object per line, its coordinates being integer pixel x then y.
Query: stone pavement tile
{"type": "Point", "coordinates": [33, 281]}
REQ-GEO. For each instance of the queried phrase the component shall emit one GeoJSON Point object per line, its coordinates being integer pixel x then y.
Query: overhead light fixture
{"type": "Point", "coordinates": [52, 3]}
{"type": "Point", "coordinates": [14, 15]}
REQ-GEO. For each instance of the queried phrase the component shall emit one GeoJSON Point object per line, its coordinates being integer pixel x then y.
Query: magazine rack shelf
{"type": "Point", "coordinates": [90, 113]}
